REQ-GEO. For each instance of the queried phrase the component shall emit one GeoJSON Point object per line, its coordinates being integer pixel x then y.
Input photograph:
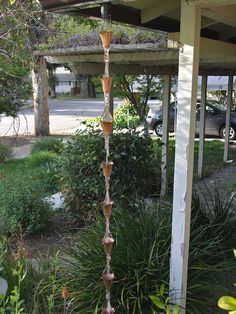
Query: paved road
{"type": "Point", "coordinates": [65, 117]}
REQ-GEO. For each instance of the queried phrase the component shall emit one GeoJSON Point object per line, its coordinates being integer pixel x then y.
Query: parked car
{"type": "Point", "coordinates": [215, 119]}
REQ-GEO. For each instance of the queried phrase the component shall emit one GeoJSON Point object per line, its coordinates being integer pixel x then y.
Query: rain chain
{"type": "Point", "coordinates": [106, 124]}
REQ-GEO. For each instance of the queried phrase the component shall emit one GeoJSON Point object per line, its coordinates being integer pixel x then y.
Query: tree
{"type": "Point", "coordinates": [138, 90]}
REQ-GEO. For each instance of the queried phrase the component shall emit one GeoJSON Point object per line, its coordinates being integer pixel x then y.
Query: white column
{"type": "Point", "coordinates": [165, 134]}
{"type": "Point", "coordinates": [202, 126]}
{"type": "Point", "coordinates": [184, 151]}
{"type": "Point", "coordinates": [227, 119]}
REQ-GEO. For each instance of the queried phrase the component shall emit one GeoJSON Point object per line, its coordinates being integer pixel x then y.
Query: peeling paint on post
{"type": "Point", "coordinates": [184, 151]}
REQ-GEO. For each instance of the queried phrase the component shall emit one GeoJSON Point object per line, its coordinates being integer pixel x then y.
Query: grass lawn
{"type": "Point", "coordinates": [213, 158]}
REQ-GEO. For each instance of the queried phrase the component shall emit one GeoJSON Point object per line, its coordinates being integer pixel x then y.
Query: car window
{"type": "Point", "coordinates": [210, 109]}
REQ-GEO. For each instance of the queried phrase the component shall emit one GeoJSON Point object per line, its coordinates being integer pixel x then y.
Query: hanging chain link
{"type": "Point", "coordinates": [106, 123]}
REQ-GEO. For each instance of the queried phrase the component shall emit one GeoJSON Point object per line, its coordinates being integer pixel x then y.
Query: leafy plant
{"type": "Point", "coordinates": [140, 261]}
{"type": "Point", "coordinates": [161, 301]}
{"type": "Point", "coordinates": [82, 181]}
{"type": "Point", "coordinates": [228, 303]}
{"type": "Point", "coordinates": [5, 152]}
{"type": "Point", "coordinates": [21, 278]}
{"type": "Point", "coordinates": [22, 205]}
{"type": "Point", "coordinates": [126, 117]}
{"type": "Point", "coordinates": [50, 144]}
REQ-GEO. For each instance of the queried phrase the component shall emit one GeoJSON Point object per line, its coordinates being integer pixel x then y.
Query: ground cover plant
{"type": "Point", "coordinates": [24, 184]}
{"type": "Point", "coordinates": [140, 260]}
{"type": "Point", "coordinates": [5, 152]}
{"type": "Point", "coordinates": [51, 144]}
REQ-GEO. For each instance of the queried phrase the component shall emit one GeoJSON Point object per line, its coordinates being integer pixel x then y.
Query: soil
{"type": "Point", "coordinates": [58, 238]}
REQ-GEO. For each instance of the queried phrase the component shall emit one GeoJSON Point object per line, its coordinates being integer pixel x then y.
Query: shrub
{"type": "Point", "coordinates": [124, 118]}
{"type": "Point", "coordinates": [134, 171]}
{"type": "Point", "coordinates": [22, 205]}
{"type": "Point", "coordinates": [140, 260]}
{"type": "Point", "coordinates": [51, 144]}
{"type": "Point", "coordinates": [41, 158]}
{"type": "Point", "coordinates": [5, 152]}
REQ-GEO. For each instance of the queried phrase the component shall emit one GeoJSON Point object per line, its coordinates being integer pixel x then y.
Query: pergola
{"type": "Point", "coordinates": [202, 34]}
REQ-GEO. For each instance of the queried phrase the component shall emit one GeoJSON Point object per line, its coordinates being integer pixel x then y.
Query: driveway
{"type": "Point", "coordinates": [65, 117]}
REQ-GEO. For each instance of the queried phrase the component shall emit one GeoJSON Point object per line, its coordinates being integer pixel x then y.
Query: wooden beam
{"type": "Point", "coordinates": [130, 69]}
{"type": "Point", "coordinates": [202, 126]}
{"type": "Point", "coordinates": [165, 134]}
{"type": "Point", "coordinates": [184, 151]}
{"type": "Point", "coordinates": [225, 14]}
{"type": "Point", "coordinates": [211, 3]}
{"type": "Point", "coordinates": [154, 9]}
{"type": "Point", "coordinates": [227, 119]}
{"type": "Point", "coordinates": [118, 57]}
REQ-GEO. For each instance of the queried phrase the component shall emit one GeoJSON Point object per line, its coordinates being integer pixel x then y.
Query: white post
{"type": "Point", "coordinates": [165, 133]}
{"type": "Point", "coordinates": [184, 151]}
{"type": "Point", "coordinates": [202, 126]}
{"type": "Point", "coordinates": [227, 119]}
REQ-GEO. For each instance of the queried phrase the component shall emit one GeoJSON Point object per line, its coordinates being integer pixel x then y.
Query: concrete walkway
{"type": "Point", "coordinates": [223, 179]}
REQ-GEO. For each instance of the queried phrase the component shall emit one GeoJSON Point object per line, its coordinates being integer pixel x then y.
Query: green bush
{"type": "Point", "coordinates": [41, 158]}
{"type": "Point", "coordinates": [51, 144]}
{"type": "Point", "coordinates": [135, 170]}
{"type": "Point", "coordinates": [22, 205]}
{"type": "Point", "coordinates": [5, 152]}
{"type": "Point", "coordinates": [124, 118]}
{"type": "Point", "coordinates": [140, 261]}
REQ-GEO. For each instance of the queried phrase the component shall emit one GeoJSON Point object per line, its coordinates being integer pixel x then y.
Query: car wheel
{"type": "Point", "coordinates": [232, 132]}
{"type": "Point", "coordinates": [158, 129]}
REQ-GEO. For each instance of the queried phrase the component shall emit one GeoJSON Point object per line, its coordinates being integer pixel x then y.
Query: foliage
{"type": "Point", "coordinates": [41, 158]}
{"type": "Point", "coordinates": [50, 144]}
{"type": "Point", "coordinates": [22, 205]}
{"type": "Point", "coordinates": [124, 117]}
{"type": "Point", "coordinates": [20, 276]}
{"type": "Point", "coordinates": [227, 302]}
{"type": "Point", "coordinates": [140, 260]}
{"type": "Point", "coordinates": [161, 301]}
{"type": "Point", "coordinates": [137, 90]}
{"type": "Point", "coordinates": [81, 178]}
{"type": "Point", "coordinates": [5, 152]}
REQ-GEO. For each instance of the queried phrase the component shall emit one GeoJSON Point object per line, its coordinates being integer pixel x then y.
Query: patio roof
{"type": "Point", "coordinates": [218, 16]}
{"type": "Point", "coordinates": [216, 58]}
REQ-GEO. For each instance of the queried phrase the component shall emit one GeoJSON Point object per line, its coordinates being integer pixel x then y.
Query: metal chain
{"type": "Point", "coordinates": [106, 123]}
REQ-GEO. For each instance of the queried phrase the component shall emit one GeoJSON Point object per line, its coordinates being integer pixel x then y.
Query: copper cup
{"type": "Point", "coordinates": [107, 168]}
{"type": "Point", "coordinates": [107, 209]}
{"type": "Point", "coordinates": [106, 84]}
{"type": "Point", "coordinates": [106, 127]}
{"type": "Point", "coordinates": [106, 39]}
{"type": "Point", "coordinates": [108, 243]}
{"type": "Point", "coordinates": [108, 280]}
{"type": "Point", "coordinates": [105, 311]}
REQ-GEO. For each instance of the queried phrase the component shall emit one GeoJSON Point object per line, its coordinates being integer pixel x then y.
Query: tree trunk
{"type": "Point", "coordinates": [52, 84]}
{"type": "Point", "coordinates": [40, 98]}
